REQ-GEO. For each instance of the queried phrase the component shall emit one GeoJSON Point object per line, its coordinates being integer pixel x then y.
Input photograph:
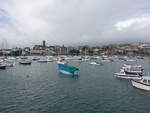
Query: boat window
{"type": "Point", "coordinates": [149, 81]}
{"type": "Point", "coordinates": [145, 80]}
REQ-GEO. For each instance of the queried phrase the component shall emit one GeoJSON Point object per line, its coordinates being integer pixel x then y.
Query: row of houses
{"type": "Point", "coordinates": [115, 49]}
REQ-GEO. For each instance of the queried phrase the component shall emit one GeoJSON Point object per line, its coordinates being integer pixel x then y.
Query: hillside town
{"type": "Point", "coordinates": [130, 49]}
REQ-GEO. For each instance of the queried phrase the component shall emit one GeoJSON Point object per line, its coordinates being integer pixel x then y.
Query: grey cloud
{"type": "Point", "coordinates": [71, 22]}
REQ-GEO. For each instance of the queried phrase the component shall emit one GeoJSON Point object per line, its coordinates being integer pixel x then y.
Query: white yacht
{"type": "Point", "coordinates": [130, 72]}
{"type": "Point", "coordinates": [143, 83]}
{"type": "Point", "coordinates": [133, 69]}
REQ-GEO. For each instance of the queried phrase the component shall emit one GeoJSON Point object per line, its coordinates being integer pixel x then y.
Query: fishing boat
{"type": "Point", "coordinates": [143, 83]}
{"type": "Point", "coordinates": [130, 72]}
{"type": "Point", "coordinates": [96, 63]}
{"type": "Point", "coordinates": [25, 61]}
{"type": "Point", "coordinates": [68, 70]}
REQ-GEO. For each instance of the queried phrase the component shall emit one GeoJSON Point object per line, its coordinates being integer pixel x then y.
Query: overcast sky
{"type": "Point", "coordinates": [73, 22]}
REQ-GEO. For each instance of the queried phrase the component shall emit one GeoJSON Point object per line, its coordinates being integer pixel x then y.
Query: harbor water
{"type": "Point", "coordinates": [39, 88]}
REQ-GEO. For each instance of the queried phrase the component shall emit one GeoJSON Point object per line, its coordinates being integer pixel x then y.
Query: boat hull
{"type": "Point", "coordinates": [2, 67]}
{"type": "Point", "coordinates": [68, 73]}
{"type": "Point", "coordinates": [34, 59]}
{"type": "Point", "coordinates": [140, 85]}
{"type": "Point", "coordinates": [24, 63]}
{"type": "Point", "coordinates": [68, 70]}
{"type": "Point", "coordinates": [123, 76]}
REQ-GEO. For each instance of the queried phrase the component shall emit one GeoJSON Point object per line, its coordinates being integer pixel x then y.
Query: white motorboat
{"type": "Point", "coordinates": [42, 61]}
{"type": "Point", "coordinates": [63, 62]}
{"type": "Point", "coordinates": [96, 63]}
{"type": "Point", "coordinates": [122, 74]}
{"type": "Point", "coordinates": [2, 65]}
{"type": "Point", "coordinates": [133, 69]}
{"type": "Point", "coordinates": [130, 72]}
{"type": "Point", "coordinates": [143, 83]}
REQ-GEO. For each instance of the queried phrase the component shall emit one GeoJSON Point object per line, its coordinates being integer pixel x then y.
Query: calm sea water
{"type": "Point", "coordinates": [39, 88]}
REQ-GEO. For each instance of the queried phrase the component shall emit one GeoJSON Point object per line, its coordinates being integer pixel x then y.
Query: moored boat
{"type": "Point", "coordinates": [35, 58]}
{"type": "Point", "coordinates": [68, 70]}
{"type": "Point", "coordinates": [133, 69]}
{"type": "Point", "coordinates": [25, 61]}
{"type": "Point", "coordinates": [2, 66]}
{"type": "Point", "coordinates": [131, 60]}
{"type": "Point", "coordinates": [42, 61]}
{"type": "Point", "coordinates": [123, 75]}
{"type": "Point", "coordinates": [106, 59]}
{"type": "Point", "coordinates": [50, 59]}
{"type": "Point", "coordinates": [23, 57]}
{"type": "Point", "coordinates": [9, 64]}
{"type": "Point", "coordinates": [122, 58]}
{"type": "Point", "coordinates": [63, 62]}
{"type": "Point", "coordinates": [143, 83]}
{"type": "Point", "coordinates": [96, 63]}
{"type": "Point", "coordinates": [130, 72]}
{"type": "Point", "coordinates": [140, 57]}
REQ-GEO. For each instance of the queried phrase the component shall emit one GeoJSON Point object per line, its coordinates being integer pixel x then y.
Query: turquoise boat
{"type": "Point", "coordinates": [68, 70]}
